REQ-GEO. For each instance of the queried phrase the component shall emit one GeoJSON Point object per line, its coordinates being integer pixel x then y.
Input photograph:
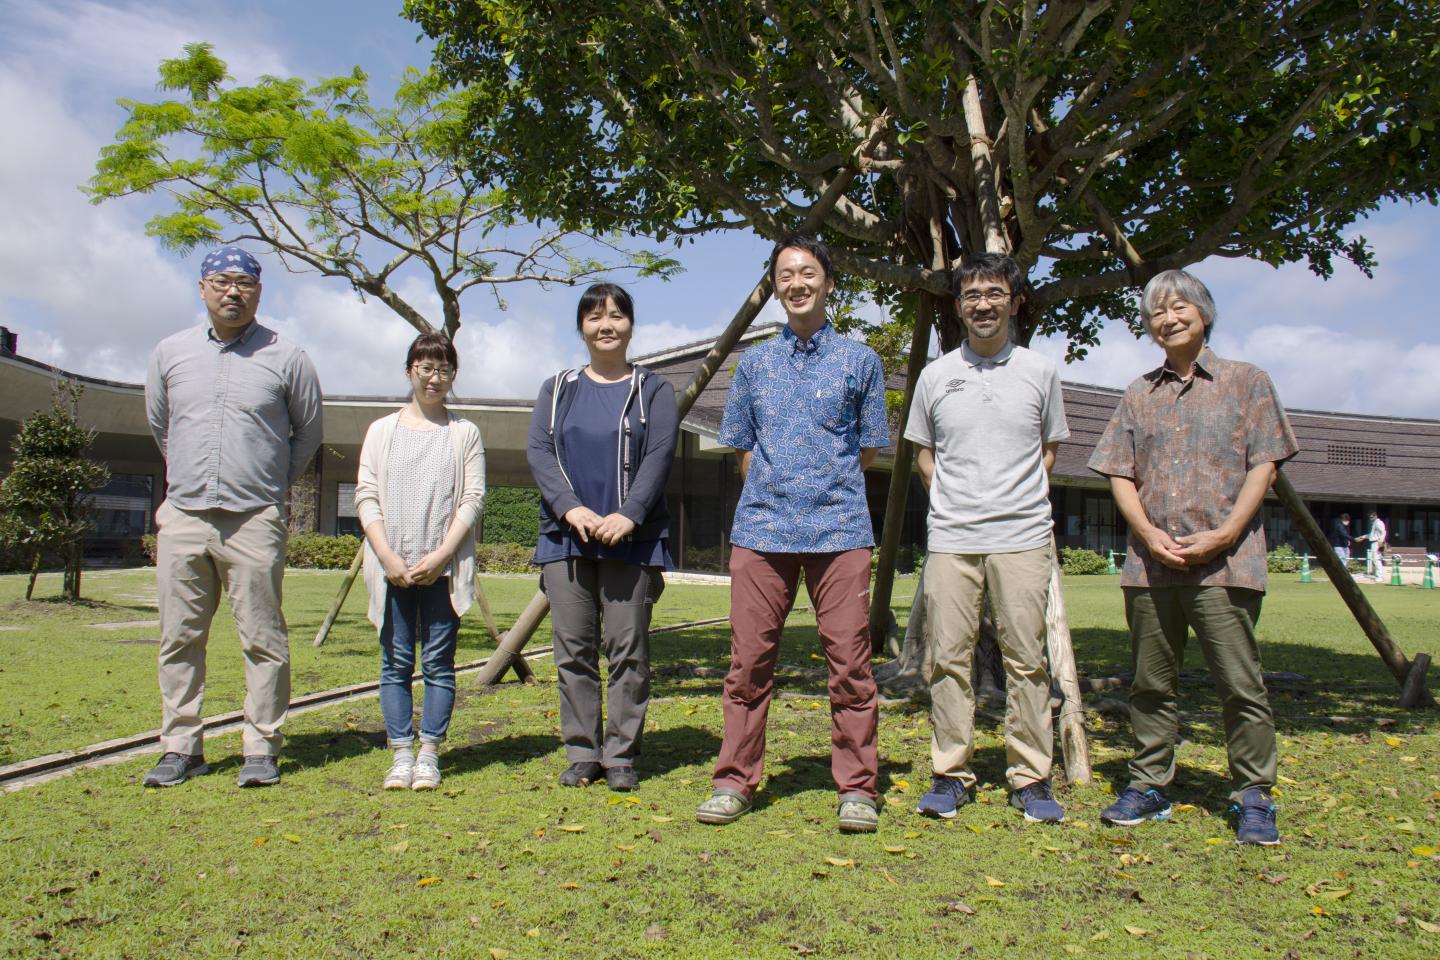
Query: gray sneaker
{"type": "Point", "coordinates": [175, 768]}
{"type": "Point", "coordinates": [259, 771]}
{"type": "Point", "coordinates": [858, 816]}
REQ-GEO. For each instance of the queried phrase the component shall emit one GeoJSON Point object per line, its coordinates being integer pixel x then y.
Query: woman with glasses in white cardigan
{"type": "Point", "coordinates": [419, 492]}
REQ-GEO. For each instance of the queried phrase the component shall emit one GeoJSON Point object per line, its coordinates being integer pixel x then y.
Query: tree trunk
{"type": "Point", "coordinates": [74, 557]}
{"type": "Point", "coordinates": [34, 572]}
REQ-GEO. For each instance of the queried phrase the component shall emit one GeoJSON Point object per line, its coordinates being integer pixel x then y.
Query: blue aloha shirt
{"type": "Point", "coordinates": [805, 408]}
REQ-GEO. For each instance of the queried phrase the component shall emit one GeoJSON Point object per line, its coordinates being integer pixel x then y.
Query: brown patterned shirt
{"type": "Point", "coordinates": [1188, 446]}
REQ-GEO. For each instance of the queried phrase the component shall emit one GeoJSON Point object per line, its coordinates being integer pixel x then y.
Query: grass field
{"type": "Point", "coordinates": [504, 862]}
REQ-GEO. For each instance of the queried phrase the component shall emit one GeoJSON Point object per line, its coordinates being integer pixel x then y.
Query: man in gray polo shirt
{"type": "Point", "coordinates": [986, 419]}
{"type": "Point", "coordinates": [236, 411]}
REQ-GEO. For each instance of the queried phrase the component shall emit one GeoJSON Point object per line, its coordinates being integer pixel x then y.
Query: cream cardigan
{"type": "Point", "coordinates": [469, 499]}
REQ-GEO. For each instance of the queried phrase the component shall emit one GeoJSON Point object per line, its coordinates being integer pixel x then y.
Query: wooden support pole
{"type": "Point", "coordinates": [485, 611]}
{"type": "Point", "coordinates": [1346, 586]}
{"type": "Point", "coordinates": [514, 640]}
{"type": "Point", "coordinates": [345, 586]}
{"type": "Point", "coordinates": [899, 492]}
{"type": "Point", "coordinates": [1073, 745]}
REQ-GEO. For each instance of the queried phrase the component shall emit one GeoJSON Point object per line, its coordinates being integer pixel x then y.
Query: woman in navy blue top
{"type": "Point", "coordinates": [601, 442]}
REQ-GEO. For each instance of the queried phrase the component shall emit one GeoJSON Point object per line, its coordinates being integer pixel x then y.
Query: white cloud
{"type": "Point", "coordinates": [123, 44]}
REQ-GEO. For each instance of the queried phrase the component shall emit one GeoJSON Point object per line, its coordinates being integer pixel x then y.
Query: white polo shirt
{"type": "Point", "coordinates": [987, 419]}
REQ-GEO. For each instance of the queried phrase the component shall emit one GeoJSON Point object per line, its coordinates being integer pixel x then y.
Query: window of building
{"type": "Point", "coordinates": [121, 511]}
{"type": "Point", "coordinates": [346, 520]}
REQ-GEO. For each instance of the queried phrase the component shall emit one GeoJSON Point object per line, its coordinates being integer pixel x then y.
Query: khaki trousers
{"type": "Point", "coordinates": [199, 553]}
{"type": "Point", "coordinates": [955, 586]}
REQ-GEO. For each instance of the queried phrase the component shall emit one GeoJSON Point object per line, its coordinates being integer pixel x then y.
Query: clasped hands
{"type": "Point", "coordinates": [609, 530]}
{"type": "Point", "coordinates": [427, 571]}
{"type": "Point", "coordinates": [1191, 550]}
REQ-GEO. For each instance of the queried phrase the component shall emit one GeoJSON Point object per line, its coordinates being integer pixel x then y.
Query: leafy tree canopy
{"type": "Point", "coordinates": [1098, 141]}
{"type": "Point", "coordinates": [338, 184]}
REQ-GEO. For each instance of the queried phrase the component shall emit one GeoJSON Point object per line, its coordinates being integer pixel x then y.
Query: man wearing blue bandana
{"type": "Point", "coordinates": [806, 410]}
{"type": "Point", "coordinates": [236, 410]}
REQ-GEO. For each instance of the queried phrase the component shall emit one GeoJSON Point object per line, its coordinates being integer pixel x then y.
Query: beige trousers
{"type": "Point", "coordinates": [199, 553]}
{"type": "Point", "coordinates": [955, 586]}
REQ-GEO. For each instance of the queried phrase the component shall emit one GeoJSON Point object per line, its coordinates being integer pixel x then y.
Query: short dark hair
{"type": "Point", "coordinates": [799, 241]}
{"type": "Point", "coordinates": [434, 347]}
{"type": "Point", "coordinates": [595, 296]}
{"type": "Point", "coordinates": [990, 266]}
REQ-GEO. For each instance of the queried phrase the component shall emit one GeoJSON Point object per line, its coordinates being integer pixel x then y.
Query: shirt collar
{"type": "Point", "coordinates": [245, 335]}
{"type": "Point", "coordinates": [975, 360]}
{"type": "Point", "coordinates": [1204, 369]}
{"type": "Point", "coordinates": [811, 345]}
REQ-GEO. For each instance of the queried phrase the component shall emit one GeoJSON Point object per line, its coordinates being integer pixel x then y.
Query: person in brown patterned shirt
{"type": "Point", "coordinates": [1190, 452]}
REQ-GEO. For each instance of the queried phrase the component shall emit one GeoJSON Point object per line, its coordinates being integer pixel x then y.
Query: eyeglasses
{"type": "Point", "coordinates": [972, 298]}
{"type": "Point", "coordinates": [427, 370]}
{"type": "Point", "coordinates": [221, 284]}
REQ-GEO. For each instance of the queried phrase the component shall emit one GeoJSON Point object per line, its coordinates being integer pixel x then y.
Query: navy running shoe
{"type": "Point", "coordinates": [1135, 806]}
{"type": "Point", "coordinates": [947, 795]}
{"type": "Point", "coordinates": [1255, 819]}
{"type": "Point", "coordinates": [1038, 803]}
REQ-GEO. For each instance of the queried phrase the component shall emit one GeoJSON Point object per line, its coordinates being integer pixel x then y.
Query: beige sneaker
{"type": "Point", "coordinates": [857, 816]}
{"type": "Point", "coordinates": [427, 771]}
{"type": "Point", "coordinates": [402, 772]}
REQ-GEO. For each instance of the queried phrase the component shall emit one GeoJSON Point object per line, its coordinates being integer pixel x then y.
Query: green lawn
{"type": "Point", "coordinates": [503, 862]}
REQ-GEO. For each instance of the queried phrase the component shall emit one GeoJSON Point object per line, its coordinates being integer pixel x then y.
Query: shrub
{"type": "Point", "coordinates": [144, 552]}
{"type": "Point", "coordinates": [319, 552]}
{"type": "Point", "coordinates": [512, 515]}
{"type": "Point", "coordinates": [1078, 562]}
{"type": "Point", "coordinates": [1283, 559]}
{"type": "Point", "coordinates": [504, 558]}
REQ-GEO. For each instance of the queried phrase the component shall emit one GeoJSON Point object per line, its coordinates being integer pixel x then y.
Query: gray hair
{"type": "Point", "coordinates": [1184, 285]}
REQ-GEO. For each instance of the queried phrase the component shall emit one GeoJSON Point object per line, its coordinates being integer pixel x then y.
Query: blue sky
{"type": "Point", "coordinates": [87, 290]}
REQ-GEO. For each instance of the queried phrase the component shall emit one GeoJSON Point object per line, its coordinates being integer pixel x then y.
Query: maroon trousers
{"type": "Point", "coordinates": [762, 591]}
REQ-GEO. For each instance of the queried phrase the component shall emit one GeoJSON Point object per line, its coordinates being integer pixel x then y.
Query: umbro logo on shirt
{"type": "Point", "coordinates": [954, 386]}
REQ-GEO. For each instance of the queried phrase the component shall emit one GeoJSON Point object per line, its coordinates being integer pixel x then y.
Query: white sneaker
{"type": "Point", "coordinates": [427, 771]}
{"type": "Point", "coordinates": [402, 772]}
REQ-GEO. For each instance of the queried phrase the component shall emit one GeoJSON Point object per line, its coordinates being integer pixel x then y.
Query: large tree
{"type": "Point", "coordinates": [1099, 142]}
{"type": "Point", "coordinates": [341, 185]}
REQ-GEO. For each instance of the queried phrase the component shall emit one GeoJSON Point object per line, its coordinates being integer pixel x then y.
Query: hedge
{"type": "Point", "coordinates": [512, 515]}
{"type": "Point", "coordinates": [1079, 562]}
{"type": "Point", "coordinates": [319, 552]}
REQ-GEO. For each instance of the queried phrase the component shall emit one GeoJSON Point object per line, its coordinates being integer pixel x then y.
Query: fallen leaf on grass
{"type": "Point", "coordinates": [426, 881]}
{"type": "Point", "coordinates": [912, 834]}
{"type": "Point", "coordinates": [1072, 948]}
{"type": "Point", "coordinates": [573, 828]}
{"type": "Point", "coordinates": [293, 838]}
{"type": "Point", "coordinates": [261, 841]}
{"type": "Point", "coordinates": [569, 886]}
{"type": "Point", "coordinates": [838, 862]}
{"type": "Point", "coordinates": [1138, 931]}
{"type": "Point", "coordinates": [889, 879]}
{"type": "Point", "coordinates": [1428, 927]}
{"type": "Point", "coordinates": [895, 849]}
{"type": "Point", "coordinates": [1320, 911]}
{"type": "Point", "coordinates": [533, 932]}
{"type": "Point", "coordinates": [625, 847]}
{"type": "Point", "coordinates": [900, 786]}
{"type": "Point", "coordinates": [662, 819]}
{"type": "Point", "coordinates": [960, 906]}
{"type": "Point", "coordinates": [819, 873]}
{"type": "Point", "coordinates": [1325, 890]}
{"type": "Point", "coordinates": [654, 932]}
{"type": "Point", "coordinates": [1423, 851]}
{"type": "Point", "coordinates": [994, 883]}
{"type": "Point", "coordinates": [400, 847]}
{"type": "Point", "coordinates": [800, 948]}
{"type": "Point", "coordinates": [497, 954]}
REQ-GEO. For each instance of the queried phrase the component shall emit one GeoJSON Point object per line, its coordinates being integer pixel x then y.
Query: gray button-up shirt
{"type": "Point", "coordinates": [236, 421]}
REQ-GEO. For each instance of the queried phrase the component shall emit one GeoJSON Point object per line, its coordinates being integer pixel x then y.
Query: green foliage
{"type": "Point", "coordinates": [1076, 562]}
{"type": "Point", "coordinates": [504, 558]}
{"type": "Point", "coordinates": [336, 183]}
{"type": "Point", "coordinates": [321, 552]}
{"type": "Point", "coordinates": [512, 515]}
{"type": "Point", "coordinates": [1283, 559]}
{"type": "Point", "coordinates": [1098, 144]}
{"type": "Point", "coordinates": [45, 500]}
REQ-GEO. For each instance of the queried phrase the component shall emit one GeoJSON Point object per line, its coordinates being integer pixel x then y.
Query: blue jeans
{"type": "Point", "coordinates": [422, 614]}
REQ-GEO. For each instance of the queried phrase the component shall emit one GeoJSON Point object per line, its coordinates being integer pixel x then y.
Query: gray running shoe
{"type": "Point", "coordinates": [259, 771]}
{"type": "Point", "coordinates": [858, 816]}
{"type": "Point", "coordinates": [175, 768]}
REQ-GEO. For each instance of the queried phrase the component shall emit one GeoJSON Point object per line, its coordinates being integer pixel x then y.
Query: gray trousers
{"type": "Point", "coordinates": [591, 601]}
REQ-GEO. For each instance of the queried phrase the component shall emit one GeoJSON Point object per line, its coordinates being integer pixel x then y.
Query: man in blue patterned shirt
{"type": "Point", "coordinates": [806, 410]}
